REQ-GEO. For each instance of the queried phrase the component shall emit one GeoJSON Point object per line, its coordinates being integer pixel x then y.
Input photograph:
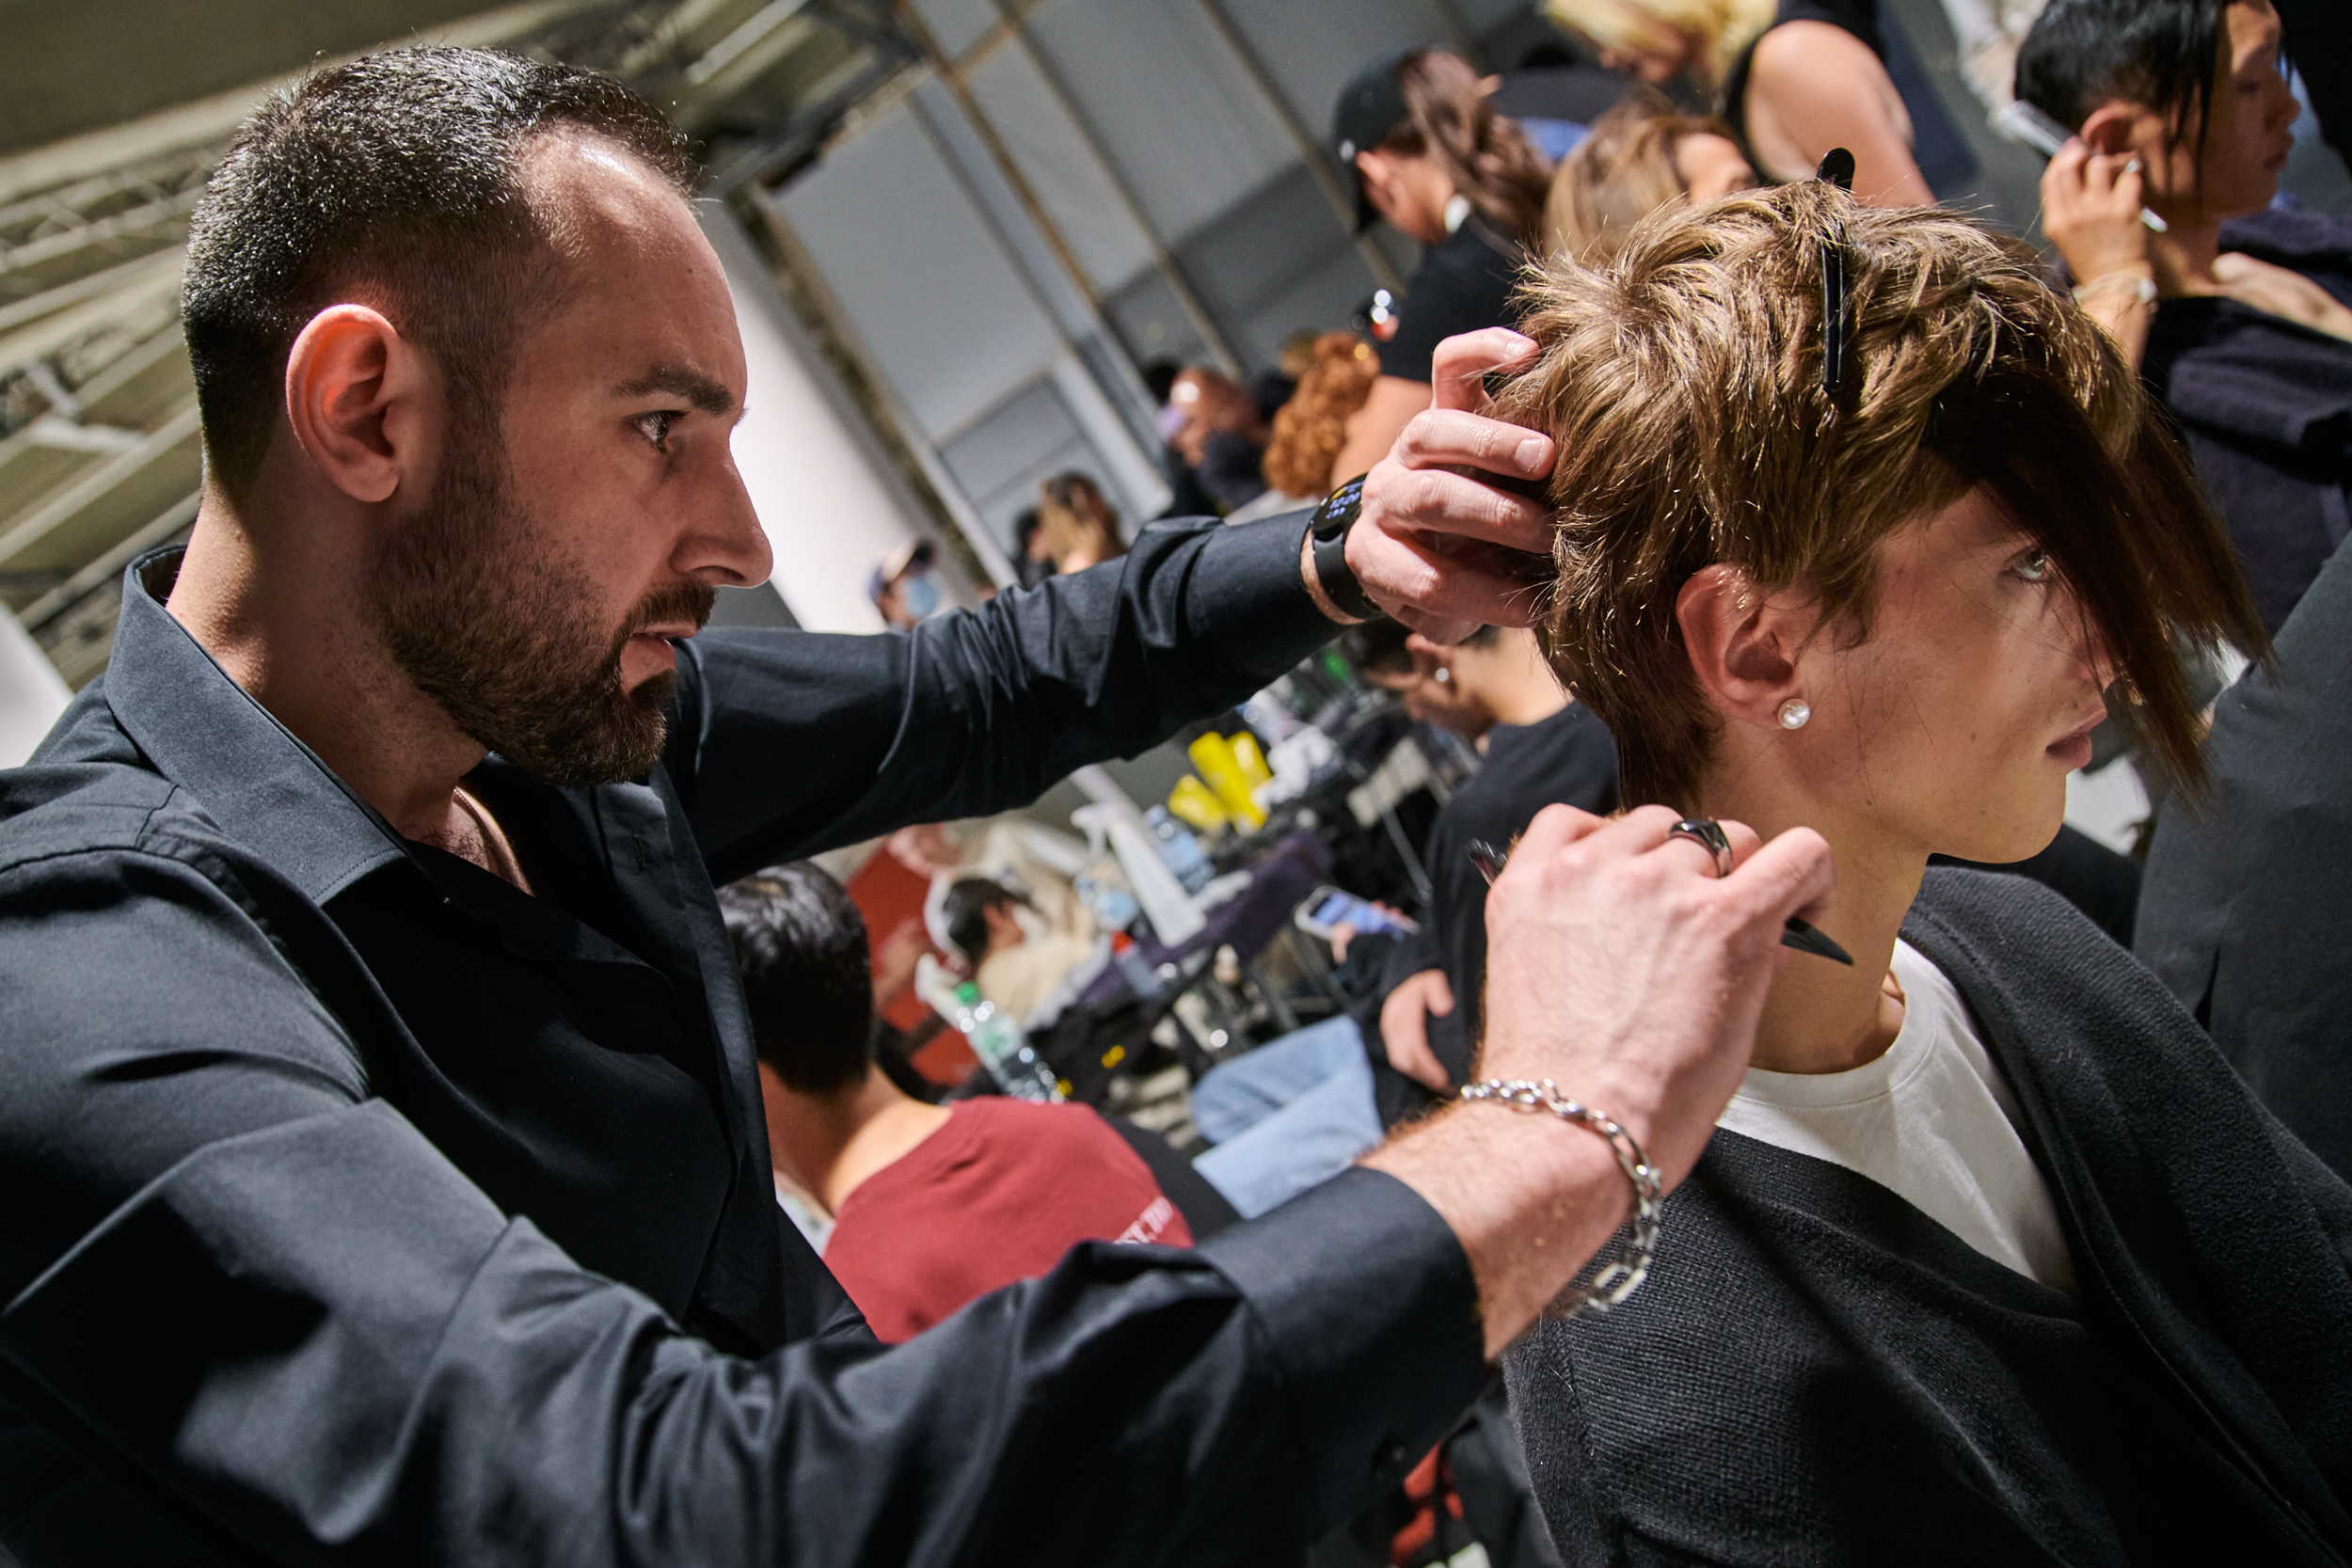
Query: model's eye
{"type": "Point", "coordinates": [2033, 567]}
{"type": "Point", "coordinates": [656, 427]}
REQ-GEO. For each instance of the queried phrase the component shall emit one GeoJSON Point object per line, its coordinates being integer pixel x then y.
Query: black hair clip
{"type": "Point", "coordinates": [1836, 309]}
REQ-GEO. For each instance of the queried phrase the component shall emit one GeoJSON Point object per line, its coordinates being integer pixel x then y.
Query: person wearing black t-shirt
{"type": "Point", "coordinates": [1541, 747]}
{"type": "Point", "coordinates": [1430, 156]}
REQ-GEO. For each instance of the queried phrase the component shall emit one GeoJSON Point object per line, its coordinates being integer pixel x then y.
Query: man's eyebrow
{"type": "Point", "coordinates": [711, 397]}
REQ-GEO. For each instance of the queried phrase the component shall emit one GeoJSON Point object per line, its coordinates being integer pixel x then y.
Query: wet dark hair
{"type": "Point", "coordinates": [2164, 53]}
{"type": "Point", "coordinates": [807, 974]}
{"type": "Point", "coordinates": [395, 181]}
{"type": "Point", "coordinates": [964, 912]}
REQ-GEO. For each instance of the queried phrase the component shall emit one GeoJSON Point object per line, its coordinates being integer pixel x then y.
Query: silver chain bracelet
{"type": "Point", "coordinates": [1617, 1276]}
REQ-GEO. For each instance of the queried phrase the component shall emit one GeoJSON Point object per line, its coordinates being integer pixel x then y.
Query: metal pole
{"type": "Point", "coordinates": [1309, 151]}
{"type": "Point", "coordinates": [1162, 262]}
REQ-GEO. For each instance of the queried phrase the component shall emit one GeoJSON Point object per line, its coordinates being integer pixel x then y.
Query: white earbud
{"type": "Point", "coordinates": [1794, 713]}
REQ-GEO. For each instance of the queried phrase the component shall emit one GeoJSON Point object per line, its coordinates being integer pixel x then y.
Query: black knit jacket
{"type": "Point", "coordinates": [1816, 1373]}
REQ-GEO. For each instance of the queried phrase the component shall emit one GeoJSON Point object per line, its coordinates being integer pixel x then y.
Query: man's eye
{"type": "Point", "coordinates": [2034, 567]}
{"type": "Point", "coordinates": [657, 427]}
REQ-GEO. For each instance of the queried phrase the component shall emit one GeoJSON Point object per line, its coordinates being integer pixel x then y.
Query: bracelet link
{"type": "Point", "coordinates": [1610, 1278]}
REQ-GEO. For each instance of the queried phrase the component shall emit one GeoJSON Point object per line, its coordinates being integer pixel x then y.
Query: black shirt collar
{"type": "Point", "coordinates": [205, 732]}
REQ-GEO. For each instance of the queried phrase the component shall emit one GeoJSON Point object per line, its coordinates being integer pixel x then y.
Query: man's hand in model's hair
{"type": "Point", "coordinates": [1404, 1027]}
{"type": "Point", "coordinates": [1436, 548]}
{"type": "Point", "coordinates": [1625, 971]}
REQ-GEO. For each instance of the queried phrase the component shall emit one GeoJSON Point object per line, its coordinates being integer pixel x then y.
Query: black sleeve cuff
{"type": "Point", "coordinates": [1368, 1300]}
{"type": "Point", "coordinates": [1247, 599]}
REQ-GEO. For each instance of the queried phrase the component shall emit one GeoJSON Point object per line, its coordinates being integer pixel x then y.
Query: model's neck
{"type": "Point", "coordinates": [1821, 1015]}
{"type": "Point", "coordinates": [830, 1144]}
{"type": "Point", "coordinates": [2183, 254]}
{"type": "Point", "coordinates": [288, 626]}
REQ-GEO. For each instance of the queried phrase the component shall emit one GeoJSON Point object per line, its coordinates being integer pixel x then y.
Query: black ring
{"type": "Point", "coordinates": [1709, 836]}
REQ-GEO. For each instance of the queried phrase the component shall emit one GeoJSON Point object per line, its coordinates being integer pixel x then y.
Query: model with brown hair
{"type": "Point", "coordinates": [1432, 158]}
{"type": "Point", "coordinates": [1992, 1258]}
{"type": "Point", "coordinates": [1638, 157]}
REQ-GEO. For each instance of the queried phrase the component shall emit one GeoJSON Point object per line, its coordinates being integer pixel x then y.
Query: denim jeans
{"type": "Point", "coordinates": [1286, 1116]}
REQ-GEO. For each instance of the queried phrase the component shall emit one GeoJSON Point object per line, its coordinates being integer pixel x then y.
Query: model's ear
{"type": "Point", "coordinates": [360, 399]}
{"type": "Point", "coordinates": [2116, 127]}
{"type": "Point", "coordinates": [1743, 642]}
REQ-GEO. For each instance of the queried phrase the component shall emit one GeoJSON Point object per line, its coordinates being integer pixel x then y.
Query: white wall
{"type": "Point", "coordinates": [829, 510]}
{"type": "Point", "coordinates": [31, 692]}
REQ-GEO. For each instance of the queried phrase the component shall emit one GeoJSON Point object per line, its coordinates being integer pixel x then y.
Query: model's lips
{"type": "Point", "coordinates": [2073, 747]}
{"type": "Point", "coordinates": [2278, 160]}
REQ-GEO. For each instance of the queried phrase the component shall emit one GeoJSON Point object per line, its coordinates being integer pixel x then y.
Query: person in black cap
{"type": "Point", "coordinates": [1429, 154]}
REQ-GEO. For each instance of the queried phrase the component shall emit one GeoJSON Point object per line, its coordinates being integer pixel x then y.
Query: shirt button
{"type": "Point", "coordinates": [1391, 1459]}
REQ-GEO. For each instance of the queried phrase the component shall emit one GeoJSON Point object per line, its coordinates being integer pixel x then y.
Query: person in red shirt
{"type": "Point", "coordinates": [930, 1205]}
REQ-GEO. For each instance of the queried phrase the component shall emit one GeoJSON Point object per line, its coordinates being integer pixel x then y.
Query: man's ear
{"type": "Point", "coordinates": [357, 399]}
{"type": "Point", "coordinates": [1742, 644]}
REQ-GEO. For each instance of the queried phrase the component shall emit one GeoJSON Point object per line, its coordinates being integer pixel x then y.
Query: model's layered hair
{"type": "Point", "coordinates": [1621, 172]}
{"type": "Point", "coordinates": [2164, 53]}
{"type": "Point", "coordinates": [1683, 385]}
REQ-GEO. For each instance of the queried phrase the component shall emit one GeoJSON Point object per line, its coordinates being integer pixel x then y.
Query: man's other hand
{"type": "Point", "coordinates": [1439, 550]}
{"type": "Point", "coordinates": [1404, 1027]}
{"type": "Point", "coordinates": [1625, 971]}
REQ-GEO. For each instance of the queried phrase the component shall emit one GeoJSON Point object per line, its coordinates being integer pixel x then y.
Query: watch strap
{"type": "Point", "coordinates": [1329, 530]}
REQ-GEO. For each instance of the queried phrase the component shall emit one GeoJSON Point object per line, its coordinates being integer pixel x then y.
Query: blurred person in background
{"type": "Point", "coordinates": [904, 588]}
{"type": "Point", "coordinates": [1793, 78]}
{"type": "Point", "coordinates": [1078, 527]}
{"type": "Point", "coordinates": [1311, 428]}
{"type": "Point", "coordinates": [1031, 564]}
{"type": "Point", "coordinates": [1016, 957]}
{"type": "Point", "coordinates": [1541, 747]}
{"type": "Point", "coordinates": [2239, 315]}
{"type": "Point", "coordinates": [1641, 155]}
{"type": "Point", "coordinates": [930, 1205]}
{"type": "Point", "coordinates": [1430, 156]}
{"type": "Point", "coordinates": [1220, 434]}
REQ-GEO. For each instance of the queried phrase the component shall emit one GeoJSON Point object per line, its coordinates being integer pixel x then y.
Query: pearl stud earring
{"type": "Point", "coordinates": [1794, 713]}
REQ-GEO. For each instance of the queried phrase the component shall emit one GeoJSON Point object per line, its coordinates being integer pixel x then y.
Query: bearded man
{"type": "Point", "coordinates": [383, 1168]}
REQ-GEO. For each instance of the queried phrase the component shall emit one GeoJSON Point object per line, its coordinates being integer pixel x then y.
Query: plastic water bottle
{"type": "Point", "coordinates": [997, 1041]}
{"type": "Point", "coordinates": [1179, 850]}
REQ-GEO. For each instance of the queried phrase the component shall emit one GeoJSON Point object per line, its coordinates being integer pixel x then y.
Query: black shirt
{"type": "Point", "coordinates": [1567, 759]}
{"type": "Point", "coordinates": [358, 1206]}
{"type": "Point", "coordinates": [1463, 285]}
{"type": "Point", "coordinates": [2266, 407]}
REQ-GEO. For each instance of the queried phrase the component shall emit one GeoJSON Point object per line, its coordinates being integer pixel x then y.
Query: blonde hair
{"type": "Point", "coordinates": [1683, 385]}
{"type": "Point", "coordinates": [1665, 26]}
{"type": "Point", "coordinates": [1621, 172]}
{"type": "Point", "coordinates": [1310, 429]}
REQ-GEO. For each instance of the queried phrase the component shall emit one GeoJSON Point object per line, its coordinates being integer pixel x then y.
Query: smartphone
{"type": "Point", "coordinates": [1327, 908]}
{"type": "Point", "coordinates": [2022, 122]}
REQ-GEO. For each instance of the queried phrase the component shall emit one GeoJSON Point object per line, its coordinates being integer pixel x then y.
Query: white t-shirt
{"type": "Point", "coordinates": [1930, 1121]}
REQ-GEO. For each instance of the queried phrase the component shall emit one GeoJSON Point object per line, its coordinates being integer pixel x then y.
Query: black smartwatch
{"type": "Point", "coordinates": [1333, 519]}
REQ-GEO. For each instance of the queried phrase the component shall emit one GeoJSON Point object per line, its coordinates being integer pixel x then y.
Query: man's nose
{"type": "Point", "coordinates": [728, 546]}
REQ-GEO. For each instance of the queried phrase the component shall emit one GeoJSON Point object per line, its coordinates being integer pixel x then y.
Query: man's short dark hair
{"type": "Point", "coordinates": [807, 974]}
{"type": "Point", "coordinates": [394, 180]}
{"type": "Point", "coordinates": [2163, 53]}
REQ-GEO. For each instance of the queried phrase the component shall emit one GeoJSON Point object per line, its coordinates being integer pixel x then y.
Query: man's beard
{"type": "Point", "coordinates": [489, 623]}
